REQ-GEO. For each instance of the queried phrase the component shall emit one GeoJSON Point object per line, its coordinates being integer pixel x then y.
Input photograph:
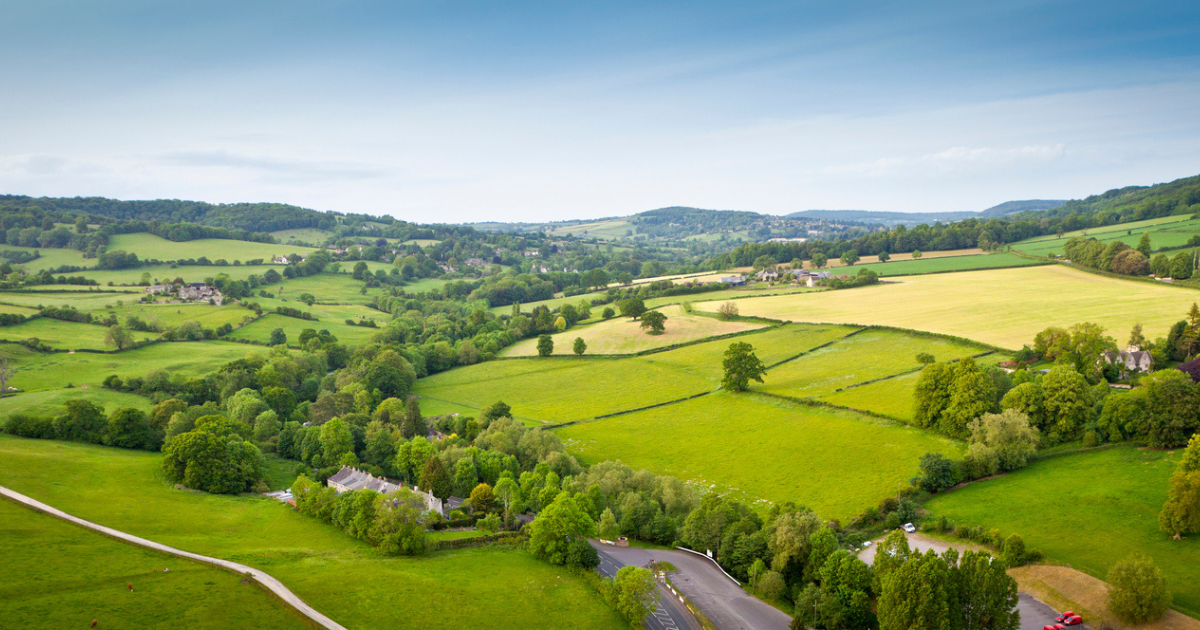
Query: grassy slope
{"type": "Point", "coordinates": [60, 334]}
{"type": "Point", "coordinates": [836, 463]}
{"type": "Point", "coordinates": [622, 335]}
{"type": "Point", "coordinates": [1006, 307]}
{"type": "Point", "coordinates": [58, 575]}
{"type": "Point", "coordinates": [82, 300]}
{"type": "Point", "coordinates": [149, 246]}
{"type": "Point", "coordinates": [50, 402]}
{"type": "Point", "coordinates": [1090, 510]}
{"type": "Point", "coordinates": [162, 274]}
{"type": "Point", "coordinates": [188, 359]}
{"type": "Point", "coordinates": [50, 258]}
{"type": "Point", "coordinates": [1173, 231]}
{"type": "Point", "coordinates": [891, 397]}
{"type": "Point", "coordinates": [942, 264]}
{"type": "Point", "coordinates": [261, 329]}
{"type": "Point", "coordinates": [343, 578]}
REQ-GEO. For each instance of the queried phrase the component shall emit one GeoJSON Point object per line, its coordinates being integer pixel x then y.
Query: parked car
{"type": "Point", "coordinates": [909, 528]}
{"type": "Point", "coordinates": [1066, 615]}
{"type": "Point", "coordinates": [866, 544]}
{"type": "Point", "coordinates": [1057, 626]}
{"type": "Point", "coordinates": [1074, 620]}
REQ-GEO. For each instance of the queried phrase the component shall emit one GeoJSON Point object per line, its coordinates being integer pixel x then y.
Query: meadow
{"type": "Point", "coordinates": [169, 316]}
{"type": "Point", "coordinates": [1089, 510]}
{"type": "Point", "coordinates": [945, 264]}
{"type": "Point", "coordinates": [623, 335]}
{"type": "Point", "coordinates": [307, 235]}
{"type": "Point", "coordinates": [61, 335]}
{"type": "Point", "coordinates": [260, 329]}
{"type": "Point", "coordinates": [9, 309]}
{"type": "Point", "coordinates": [187, 359]}
{"type": "Point", "coordinates": [868, 260]}
{"type": "Point", "coordinates": [150, 247]}
{"type": "Point", "coordinates": [892, 397]}
{"type": "Point", "coordinates": [59, 575]}
{"type": "Point", "coordinates": [328, 288]}
{"type": "Point", "coordinates": [51, 402]}
{"type": "Point", "coordinates": [51, 257]}
{"type": "Point", "coordinates": [1004, 307]}
{"type": "Point", "coordinates": [1165, 232]}
{"type": "Point", "coordinates": [493, 587]}
{"type": "Point", "coordinates": [163, 274]}
{"type": "Point", "coordinates": [82, 300]}
{"type": "Point", "coordinates": [863, 357]}
{"type": "Point", "coordinates": [764, 450]}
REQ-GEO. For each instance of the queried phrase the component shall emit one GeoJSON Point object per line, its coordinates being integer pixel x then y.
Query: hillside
{"type": "Point", "coordinates": [1136, 203]}
{"type": "Point", "coordinates": [914, 218]}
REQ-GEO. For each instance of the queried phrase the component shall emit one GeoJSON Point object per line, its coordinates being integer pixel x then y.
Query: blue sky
{"type": "Point", "coordinates": [453, 111]}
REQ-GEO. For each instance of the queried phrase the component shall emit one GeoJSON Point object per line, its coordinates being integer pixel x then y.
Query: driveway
{"type": "Point", "coordinates": [724, 602]}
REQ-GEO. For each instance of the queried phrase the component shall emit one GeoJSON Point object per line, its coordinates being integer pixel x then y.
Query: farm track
{"type": "Point", "coordinates": [270, 583]}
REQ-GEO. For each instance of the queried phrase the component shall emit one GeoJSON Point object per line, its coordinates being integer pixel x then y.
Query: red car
{"type": "Point", "coordinates": [1063, 617]}
{"type": "Point", "coordinates": [1057, 626]}
{"type": "Point", "coordinates": [1073, 620]}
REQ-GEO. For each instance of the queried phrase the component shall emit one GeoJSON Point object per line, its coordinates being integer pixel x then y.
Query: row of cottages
{"type": "Point", "coordinates": [1131, 359]}
{"type": "Point", "coordinates": [348, 479]}
{"type": "Point", "coordinates": [194, 292]}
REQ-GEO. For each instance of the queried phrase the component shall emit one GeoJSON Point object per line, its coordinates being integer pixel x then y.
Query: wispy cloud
{"type": "Point", "coordinates": [300, 170]}
{"type": "Point", "coordinates": [953, 160]}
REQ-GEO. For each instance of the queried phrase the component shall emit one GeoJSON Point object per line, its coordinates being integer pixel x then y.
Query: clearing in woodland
{"type": "Point", "coordinates": [487, 587]}
{"type": "Point", "coordinates": [1004, 307]}
{"type": "Point", "coordinates": [1103, 505]}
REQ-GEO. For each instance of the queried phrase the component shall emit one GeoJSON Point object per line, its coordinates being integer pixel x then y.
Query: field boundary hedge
{"type": "Point", "coordinates": [905, 373]}
{"type": "Point", "coordinates": [478, 541]}
{"type": "Point", "coordinates": [810, 350]}
{"type": "Point", "coordinates": [813, 402]}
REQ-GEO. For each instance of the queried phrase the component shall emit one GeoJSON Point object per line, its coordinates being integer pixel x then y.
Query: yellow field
{"type": "Point", "coordinates": [1004, 307]}
{"type": "Point", "coordinates": [622, 335]}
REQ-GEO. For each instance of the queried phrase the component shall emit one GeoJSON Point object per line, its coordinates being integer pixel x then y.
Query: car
{"type": "Point", "coordinates": [1073, 620]}
{"type": "Point", "coordinates": [909, 528]}
{"type": "Point", "coordinates": [1066, 615]}
{"type": "Point", "coordinates": [1057, 626]}
{"type": "Point", "coordinates": [866, 544]}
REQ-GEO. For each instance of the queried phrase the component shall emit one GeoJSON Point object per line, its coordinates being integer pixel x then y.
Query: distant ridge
{"type": "Point", "coordinates": [913, 218]}
{"type": "Point", "coordinates": [1009, 207]}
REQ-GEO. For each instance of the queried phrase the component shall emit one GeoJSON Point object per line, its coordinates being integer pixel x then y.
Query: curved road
{"type": "Point", "coordinates": [272, 584]}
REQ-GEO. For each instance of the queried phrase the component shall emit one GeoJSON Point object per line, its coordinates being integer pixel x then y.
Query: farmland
{"type": "Point", "coordinates": [58, 334]}
{"type": "Point", "coordinates": [764, 449]}
{"type": "Point", "coordinates": [328, 288]}
{"type": "Point", "coordinates": [494, 587]}
{"type": "Point", "coordinates": [49, 257]}
{"type": "Point", "coordinates": [260, 330]}
{"type": "Point", "coordinates": [1165, 232]}
{"type": "Point", "coordinates": [1112, 497]}
{"type": "Point", "coordinates": [163, 274]}
{"type": "Point", "coordinates": [1005, 307]}
{"type": "Point", "coordinates": [174, 315]}
{"type": "Point", "coordinates": [622, 335]}
{"type": "Point", "coordinates": [307, 235]}
{"type": "Point", "coordinates": [187, 359]}
{"type": "Point", "coordinates": [82, 300]}
{"type": "Point", "coordinates": [82, 575]}
{"type": "Point", "coordinates": [892, 397]}
{"type": "Point", "coordinates": [151, 247]}
{"type": "Point", "coordinates": [942, 264]}
{"type": "Point", "coordinates": [50, 402]}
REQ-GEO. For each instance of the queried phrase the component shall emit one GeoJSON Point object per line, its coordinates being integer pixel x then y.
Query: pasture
{"type": "Point", "coordinates": [51, 257]}
{"type": "Point", "coordinates": [164, 274]}
{"type": "Point", "coordinates": [1004, 307]}
{"type": "Point", "coordinates": [62, 335]}
{"type": "Point", "coordinates": [82, 300]}
{"type": "Point", "coordinates": [307, 235]}
{"type": "Point", "coordinates": [764, 450]}
{"type": "Point", "coordinates": [183, 358]}
{"type": "Point", "coordinates": [493, 587]}
{"type": "Point", "coordinates": [868, 260]}
{"type": "Point", "coordinates": [892, 397]}
{"type": "Point", "coordinates": [1165, 232]}
{"type": "Point", "coordinates": [150, 247]}
{"type": "Point", "coordinates": [50, 402]}
{"type": "Point", "coordinates": [59, 575]}
{"type": "Point", "coordinates": [8, 309]}
{"type": "Point", "coordinates": [169, 316]}
{"type": "Point", "coordinates": [260, 330]}
{"type": "Point", "coordinates": [623, 335]}
{"type": "Point", "coordinates": [328, 288]}
{"type": "Point", "coordinates": [942, 264]}
{"type": "Point", "coordinates": [1104, 504]}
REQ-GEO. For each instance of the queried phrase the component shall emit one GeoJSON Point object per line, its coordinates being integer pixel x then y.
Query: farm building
{"type": "Point", "coordinates": [734, 281]}
{"type": "Point", "coordinates": [155, 289]}
{"type": "Point", "coordinates": [768, 275]}
{"type": "Point", "coordinates": [200, 292]}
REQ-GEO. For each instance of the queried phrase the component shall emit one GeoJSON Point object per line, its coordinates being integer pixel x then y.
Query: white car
{"type": "Point", "coordinates": [866, 544]}
{"type": "Point", "coordinates": [909, 528]}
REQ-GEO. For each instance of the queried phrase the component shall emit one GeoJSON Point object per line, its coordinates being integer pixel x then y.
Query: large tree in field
{"type": "Point", "coordinates": [654, 320]}
{"type": "Point", "coordinates": [556, 526]}
{"type": "Point", "coordinates": [1181, 513]}
{"type": "Point", "coordinates": [545, 345]}
{"type": "Point", "coordinates": [741, 366]}
{"type": "Point", "coordinates": [118, 336]}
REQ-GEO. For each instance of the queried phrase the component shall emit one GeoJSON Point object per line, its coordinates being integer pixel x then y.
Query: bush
{"type": "Point", "coordinates": [1013, 551]}
{"type": "Point", "coordinates": [1137, 591]}
{"type": "Point", "coordinates": [29, 426]}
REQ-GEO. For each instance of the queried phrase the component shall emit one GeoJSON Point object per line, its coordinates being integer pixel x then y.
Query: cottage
{"type": "Point", "coordinates": [349, 478]}
{"type": "Point", "coordinates": [280, 260]}
{"type": "Point", "coordinates": [156, 289]}
{"type": "Point", "coordinates": [200, 292]}
{"type": "Point", "coordinates": [475, 262]}
{"type": "Point", "coordinates": [768, 275]}
{"type": "Point", "coordinates": [1132, 359]}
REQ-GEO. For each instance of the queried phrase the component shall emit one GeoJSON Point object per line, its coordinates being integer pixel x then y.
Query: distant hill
{"type": "Point", "coordinates": [915, 218]}
{"type": "Point", "coordinates": [1009, 207]}
{"type": "Point", "coordinates": [1135, 203]}
{"type": "Point", "coordinates": [253, 217]}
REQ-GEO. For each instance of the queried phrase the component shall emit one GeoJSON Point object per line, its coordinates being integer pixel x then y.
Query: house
{"type": "Point", "coordinates": [348, 479]}
{"type": "Point", "coordinates": [475, 262]}
{"type": "Point", "coordinates": [280, 260]}
{"type": "Point", "coordinates": [768, 275]}
{"type": "Point", "coordinates": [532, 253]}
{"type": "Point", "coordinates": [155, 289]}
{"type": "Point", "coordinates": [734, 281]}
{"type": "Point", "coordinates": [1132, 359]}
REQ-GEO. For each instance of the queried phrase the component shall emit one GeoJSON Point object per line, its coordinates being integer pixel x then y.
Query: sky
{"type": "Point", "coordinates": [540, 111]}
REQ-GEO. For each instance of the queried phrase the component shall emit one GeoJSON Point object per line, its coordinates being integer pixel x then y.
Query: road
{"type": "Point", "coordinates": [670, 614]}
{"type": "Point", "coordinates": [723, 601]}
{"type": "Point", "coordinates": [272, 584]}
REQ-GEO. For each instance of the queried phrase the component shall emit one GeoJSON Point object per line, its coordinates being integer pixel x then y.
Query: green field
{"type": "Point", "coordinates": [187, 359]}
{"type": "Point", "coordinates": [485, 587]}
{"type": "Point", "coordinates": [59, 575]}
{"type": "Point", "coordinates": [150, 247]}
{"type": "Point", "coordinates": [1004, 307]}
{"type": "Point", "coordinates": [51, 257]}
{"type": "Point", "coordinates": [173, 315]}
{"type": "Point", "coordinates": [163, 274]}
{"type": "Point", "coordinates": [764, 449]}
{"type": "Point", "coordinates": [260, 330]}
{"type": "Point", "coordinates": [50, 402]}
{"type": "Point", "coordinates": [17, 310]}
{"type": "Point", "coordinates": [60, 334]}
{"type": "Point", "coordinates": [1165, 232]}
{"type": "Point", "coordinates": [1088, 510]}
{"type": "Point", "coordinates": [863, 357]}
{"type": "Point", "coordinates": [622, 335]}
{"type": "Point", "coordinates": [330, 288]}
{"type": "Point", "coordinates": [82, 300]}
{"type": "Point", "coordinates": [942, 265]}
{"type": "Point", "coordinates": [891, 397]}
{"type": "Point", "coordinates": [307, 235]}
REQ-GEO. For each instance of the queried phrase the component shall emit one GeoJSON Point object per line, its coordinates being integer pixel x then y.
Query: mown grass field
{"type": "Point", "coordinates": [867, 260]}
{"type": "Point", "coordinates": [163, 274]}
{"type": "Point", "coordinates": [764, 449]}
{"type": "Point", "coordinates": [82, 300]}
{"type": "Point", "coordinates": [173, 315]}
{"type": "Point", "coordinates": [51, 257]}
{"type": "Point", "coordinates": [856, 359]}
{"type": "Point", "coordinates": [308, 235]}
{"type": "Point", "coordinates": [942, 264]}
{"type": "Point", "coordinates": [331, 288]}
{"type": "Point", "coordinates": [1089, 510]}
{"type": "Point", "coordinates": [1173, 231]}
{"type": "Point", "coordinates": [1004, 307]}
{"type": "Point", "coordinates": [187, 359]}
{"type": "Point", "coordinates": [58, 575]}
{"type": "Point", "coordinates": [60, 334]}
{"type": "Point", "coordinates": [8, 309]}
{"type": "Point", "coordinates": [487, 587]}
{"type": "Point", "coordinates": [149, 246]}
{"type": "Point", "coordinates": [260, 330]}
{"type": "Point", "coordinates": [891, 397]}
{"type": "Point", "coordinates": [50, 402]}
{"type": "Point", "coordinates": [623, 335]}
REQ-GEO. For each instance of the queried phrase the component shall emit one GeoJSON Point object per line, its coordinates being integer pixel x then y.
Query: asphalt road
{"type": "Point", "coordinates": [723, 601]}
{"type": "Point", "coordinates": [670, 614]}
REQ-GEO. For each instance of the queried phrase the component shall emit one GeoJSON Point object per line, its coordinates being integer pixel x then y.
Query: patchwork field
{"type": "Point", "coordinates": [1005, 307]}
{"type": "Point", "coordinates": [764, 449]}
{"type": "Point", "coordinates": [51, 257]}
{"type": "Point", "coordinates": [260, 330]}
{"type": "Point", "coordinates": [329, 288]}
{"type": "Point", "coordinates": [920, 266]}
{"type": "Point", "coordinates": [492, 587]}
{"type": "Point", "coordinates": [50, 402]}
{"type": "Point", "coordinates": [149, 246]}
{"type": "Point", "coordinates": [82, 300]}
{"type": "Point", "coordinates": [187, 359]}
{"type": "Point", "coordinates": [8, 309]}
{"type": "Point", "coordinates": [1165, 232]}
{"type": "Point", "coordinates": [892, 397]}
{"type": "Point", "coordinates": [60, 334]}
{"type": "Point", "coordinates": [169, 316]}
{"type": "Point", "coordinates": [163, 274]}
{"type": "Point", "coordinates": [58, 575]}
{"type": "Point", "coordinates": [622, 335]}
{"type": "Point", "coordinates": [1103, 504]}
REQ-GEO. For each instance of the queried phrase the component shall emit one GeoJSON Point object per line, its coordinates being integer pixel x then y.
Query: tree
{"type": "Point", "coordinates": [118, 336]}
{"type": "Point", "coordinates": [336, 441]}
{"type": "Point", "coordinates": [1136, 338]}
{"type": "Point", "coordinates": [1009, 435]}
{"type": "Point", "coordinates": [1181, 513]}
{"type": "Point", "coordinates": [916, 253]}
{"type": "Point", "coordinates": [1065, 396]}
{"type": "Point", "coordinates": [924, 358]}
{"type": "Point", "coordinates": [266, 426]}
{"type": "Point", "coordinates": [278, 338]}
{"type": "Point", "coordinates": [654, 320]}
{"type": "Point", "coordinates": [1143, 245]}
{"type": "Point", "coordinates": [551, 533]}
{"type": "Point", "coordinates": [545, 345]}
{"type": "Point", "coordinates": [819, 260]}
{"type": "Point", "coordinates": [727, 311]}
{"type": "Point", "coordinates": [607, 528]}
{"type": "Point", "coordinates": [508, 492]}
{"type": "Point", "coordinates": [398, 528]}
{"type": "Point", "coordinates": [915, 596]}
{"type": "Point", "coordinates": [483, 500]}
{"type": "Point", "coordinates": [971, 395]}
{"type": "Point", "coordinates": [608, 312]}
{"type": "Point", "coordinates": [931, 395]}
{"type": "Point", "coordinates": [414, 423]}
{"type": "Point", "coordinates": [884, 257]}
{"type": "Point", "coordinates": [987, 596]}
{"type": "Point", "coordinates": [213, 458]}
{"type": "Point", "coordinates": [281, 399]}
{"type": "Point", "coordinates": [938, 473]}
{"type": "Point", "coordinates": [579, 347]}
{"type": "Point", "coordinates": [466, 478]}
{"type": "Point", "coordinates": [849, 257]}
{"type": "Point", "coordinates": [83, 422]}
{"type": "Point", "coordinates": [633, 307]}
{"type": "Point", "coordinates": [435, 480]}
{"type": "Point", "coordinates": [128, 428]}
{"type": "Point", "coordinates": [1013, 551]}
{"type": "Point", "coordinates": [1137, 591]}
{"type": "Point", "coordinates": [1131, 262]}
{"type": "Point", "coordinates": [636, 593]}
{"type": "Point", "coordinates": [741, 365]}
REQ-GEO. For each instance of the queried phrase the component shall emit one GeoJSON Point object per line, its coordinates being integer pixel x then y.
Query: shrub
{"type": "Point", "coordinates": [1137, 591]}
{"type": "Point", "coordinates": [1013, 551]}
{"type": "Point", "coordinates": [29, 426]}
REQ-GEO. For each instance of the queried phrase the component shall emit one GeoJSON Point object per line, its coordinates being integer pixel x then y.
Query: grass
{"type": "Point", "coordinates": [59, 575]}
{"type": "Point", "coordinates": [260, 330]}
{"type": "Point", "coordinates": [50, 257]}
{"type": "Point", "coordinates": [863, 357]}
{"type": "Point", "coordinates": [308, 235]}
{"type": "Point", "coordinates": [163, 274]}
{"type": "Point", "coordinates": [895, 258]}
{"type": "Point", "coordinates": [1089, 510]}
{"type": "Point", "coordinates": [764, 449]}
{"type": "Point", "coordinates": [1004, 307]}
{"type": "Point", "coordinates": [174, 315]}
{"type": "Point", "coordinates": [60, 334]}
{"type": "Point", "coordinates": [82, 300]}
{"type": "Point", "coordinates": [943, 264]}
{"type": "Point", "coordinates": [622, 335]}
{"type": "Point", "coordinates": [331, 288]}
{"type": "Point", "coordinates": [455, 535]}
{"type": "Point", "coordinates": [891, 397]}
{"type": "Point", "coordinates": [1172, 231]}
{"type": "Point", "coordinates": [492, 587]}
{"type": "Point", "coordinates": [431, 407]}
{"type": "Point", "coordinates": [51, 402]}
{"type": "Point", "coordinates": [37, 371]}
{"type": "Point", "coordinates": [150, 247]}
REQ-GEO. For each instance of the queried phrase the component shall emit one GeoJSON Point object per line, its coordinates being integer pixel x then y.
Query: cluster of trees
{"type": "Point", "coordinates": [1181, 513]}
{"type": "Point", "coordinates": [1117, 257]}
{"type": "Point", "coordinates": [84, 421]}
{"type": "Point", "coordinates": [948, 396]}
{"type": "Point", "coordinates": [215, 456]}
{"type": "Point", "coordinates": [394, 523]}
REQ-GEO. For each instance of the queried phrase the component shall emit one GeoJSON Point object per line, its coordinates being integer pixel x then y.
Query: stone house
{"type": "Point", "coordinates": [1132, 359]}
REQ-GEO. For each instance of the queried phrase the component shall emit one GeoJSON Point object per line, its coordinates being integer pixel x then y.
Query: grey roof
{"type": "Point", "coordinates": [354, 479]}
